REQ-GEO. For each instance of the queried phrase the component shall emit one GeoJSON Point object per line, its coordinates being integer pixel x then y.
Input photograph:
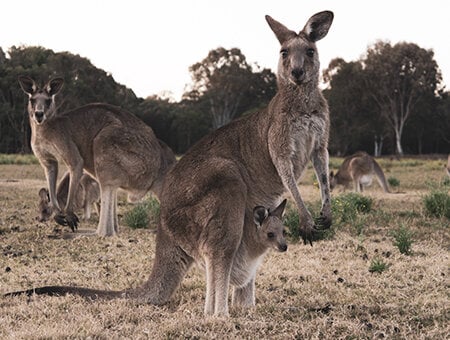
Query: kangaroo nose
{"type": "Point", "coordinates": [297, 73]}
{"type": "Point", "coordinates": [282, 247]}
{"type": "Point", "coordinates": [39, 115]}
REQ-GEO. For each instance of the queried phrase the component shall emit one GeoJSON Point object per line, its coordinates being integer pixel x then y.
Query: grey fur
{"type": "Point", "coordinates": [208, 198]}
{"type": "Point", "coordinates": [109, 143]}
{"type": "Point", "coordinates": [358, 169]}
{"type": "Point", "coordinates": [87, 194]}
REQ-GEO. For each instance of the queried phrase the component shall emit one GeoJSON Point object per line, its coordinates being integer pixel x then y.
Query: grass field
{"type": "Point", "coordinates": [356, 284]}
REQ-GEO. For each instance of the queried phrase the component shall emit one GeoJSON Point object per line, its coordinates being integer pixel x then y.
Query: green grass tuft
{"type": "Point", "coordinates": [403, 240]}
{"type": "Point", "coordinates": [143, 214]}
{"type": "Point", "coordinates": [377, 266]}
{"type": "Point", "coordinates": [18, 159]}
{"type": "Point", "coordinates": [393, 182]}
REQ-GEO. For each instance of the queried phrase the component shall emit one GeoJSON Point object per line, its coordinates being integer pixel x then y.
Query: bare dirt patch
{"type": "Point", "coordinates": [324, 292]}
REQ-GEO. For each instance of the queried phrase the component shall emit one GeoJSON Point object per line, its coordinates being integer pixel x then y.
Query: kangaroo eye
{"type": "Point", "coordinates": [284, 53]}
{"type": "Point", "coordinates": [270, 235]}
{"type": "Point", "coordinates": [48, 102]}
{"type": "Point", "coordinates": [284, 233]}
{"type": "Point", "coordinates": [32, 101]}
{"type": "Point", "coordinates": [310, 52]}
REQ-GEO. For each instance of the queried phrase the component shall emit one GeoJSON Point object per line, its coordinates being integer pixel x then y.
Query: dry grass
{"type": "Point", "coordinates": [324, 292]}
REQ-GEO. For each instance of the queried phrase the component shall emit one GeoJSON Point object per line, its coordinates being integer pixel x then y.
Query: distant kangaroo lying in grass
{"type": "Point", "coordinates": [87, 193]}
{"type": "Point", "coordinates": [209, 196]}
{"type": "Point", "coordinates": [358, 169]}
{"type": "Point", "coordinates": [109, 143]}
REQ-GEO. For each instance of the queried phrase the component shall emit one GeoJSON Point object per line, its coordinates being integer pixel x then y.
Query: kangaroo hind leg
{"type": "Point", "coordinates": [108, 217]}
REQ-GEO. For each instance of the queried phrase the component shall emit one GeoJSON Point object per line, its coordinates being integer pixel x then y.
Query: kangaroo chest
{"type": "Point", "coordinates": [43, 148]}
{"type": "Point", "coordinates": [306, 134]}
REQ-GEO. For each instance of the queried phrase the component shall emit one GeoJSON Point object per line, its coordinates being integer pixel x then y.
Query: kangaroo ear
{"type": "Point", "coordinates": [27, 84]}
{"type": "Point", "coordinates": [318, 25]}
{"type": "Point", "coordinates": [43, 194]}
{"type": "Point", "coordinates": [54, 86]}
{"type": "Point", "coordinates": [331, 174]}
{"type": "Point", "coordinates": [278, 212]}
{"type": "Point", "coordinates": [259, 215]}
{"type": "Point", "coordinates": [282, 33]}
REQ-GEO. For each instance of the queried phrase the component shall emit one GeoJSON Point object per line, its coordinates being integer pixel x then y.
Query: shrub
{"type": "Point", "coordinates": [143, 214]}
{"type": "Point", "coordinates": [346, 207]}
{"type": "Point", "coordinates": [437, 204]}
{"type": "Point", "coordinates": [393, 182]}
{"type": "Point", "coordinates": [377, 266]}
{"type": "Point", "coordinates": [403, 239]}
{"type": "Point", "coordinates": [137, 217]}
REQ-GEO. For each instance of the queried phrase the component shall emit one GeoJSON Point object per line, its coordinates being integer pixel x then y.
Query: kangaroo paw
{"type": "Point", "coordinates": [60, 219]}
{"type": "Point", "coordinates": [307, 234]}
{"type": "Point", "coordinates": [323, 222]}
{"type": "Point", "coordinates": [72, 221]}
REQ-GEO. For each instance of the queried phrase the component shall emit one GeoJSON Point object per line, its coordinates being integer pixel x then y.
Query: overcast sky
{"type": "Point", "coordinates": [149, 45]}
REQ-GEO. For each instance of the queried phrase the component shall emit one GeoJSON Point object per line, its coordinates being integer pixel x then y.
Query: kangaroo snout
{"type": "Point", "coordinates": [39, 115]}
{"type": "Point", "coordinates": [282, 248]}
{"type": "Point", "coordinates": [298, 74]}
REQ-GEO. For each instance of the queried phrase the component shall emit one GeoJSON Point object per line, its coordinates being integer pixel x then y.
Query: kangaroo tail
{"type": "Point", "coordinates": [92, 294]}
{"type": "Point", "coordinates": [380, 176]}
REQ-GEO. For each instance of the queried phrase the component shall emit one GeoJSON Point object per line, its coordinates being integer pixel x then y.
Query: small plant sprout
{"type": "Point", "coordinates": [403, 239]}
{"type": "Point", "coordinates": [377, 266]}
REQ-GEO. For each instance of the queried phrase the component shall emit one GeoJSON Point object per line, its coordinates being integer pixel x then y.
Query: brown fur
{"type": "Point", "coordinates": [358, 169]}
{"type": "Point", "coordinates": [109, 143]}
{"type": "Point", "coordinates": [208, 198]}
{"type": "Point", "coordinates": [86, 194]}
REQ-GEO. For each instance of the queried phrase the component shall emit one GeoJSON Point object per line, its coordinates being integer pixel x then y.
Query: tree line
{"type": "Point", "coordinates": [392, 100]}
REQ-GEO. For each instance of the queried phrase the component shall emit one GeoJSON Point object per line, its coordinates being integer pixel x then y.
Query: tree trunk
{"type": "Point", "coordinates": [398, 143]}
{"type": "Point", "coordinates": [378, 146]}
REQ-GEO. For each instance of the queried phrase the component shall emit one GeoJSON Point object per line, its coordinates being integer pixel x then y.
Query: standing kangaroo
{"type": "Point", "coordinates": [208, 197]}
{"type": "Point", "coordinates": [109, 143]}
{"type": "Point", "coordinates": [358, 168]}
{"type": "Point", "coordinates": [87, 193]}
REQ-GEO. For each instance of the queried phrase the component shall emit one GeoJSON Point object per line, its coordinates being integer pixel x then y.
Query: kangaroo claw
{"type": "Point", "coordinates": [322, 223]}
{"type": "Point", "coordinates": [70, 220]}
{"type": "Point", "coordinates": [60, 219]}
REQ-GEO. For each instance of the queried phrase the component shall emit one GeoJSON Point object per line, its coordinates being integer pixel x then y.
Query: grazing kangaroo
{"type": "Point", "coordinates": [358, 168]}
{"type": "Point", "coordinates": [109, 143]}
{"type": "Point", "coordinates": [87, 193]}
{"type": "Point", "coordinates": [208, 197]}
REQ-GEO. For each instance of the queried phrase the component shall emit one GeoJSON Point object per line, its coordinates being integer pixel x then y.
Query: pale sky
{"type": "Point", "coordinates": [148, 46]}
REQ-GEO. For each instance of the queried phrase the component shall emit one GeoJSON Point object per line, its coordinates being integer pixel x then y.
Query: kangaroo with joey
{"type": "Point", "coordinates": [87, 194]}
{"type": "Point", "coordinates": [208, 197]}
{"type": "Point", "coordinates": [109, 143]}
